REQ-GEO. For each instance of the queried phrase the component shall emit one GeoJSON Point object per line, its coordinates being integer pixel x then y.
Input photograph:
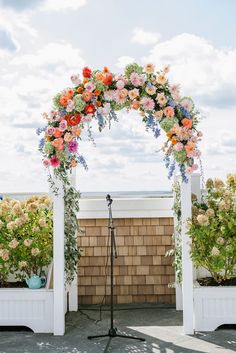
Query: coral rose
{"type": "Point", "coordinates": [187, 123]}
{"type": "Point", "coordinates": [64, 100]}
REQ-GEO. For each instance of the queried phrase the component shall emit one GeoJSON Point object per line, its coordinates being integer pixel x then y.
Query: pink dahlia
{"type": "Point", "coordinates": [136, 79]}
{"type": "Point", "coordinates": [147, 103]}
{"type": "Point", "coordinates": [73, 146]}
{"type": "Point", "coordinates": [55, 162]}
{"type": "Point", "coordinates": [63, 125]}
{"type": "Point", "coordinates": [169, 112]}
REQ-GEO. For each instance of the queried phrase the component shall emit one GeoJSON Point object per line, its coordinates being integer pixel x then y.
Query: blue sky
{"type": "Point", "coordinates": [43, 42]}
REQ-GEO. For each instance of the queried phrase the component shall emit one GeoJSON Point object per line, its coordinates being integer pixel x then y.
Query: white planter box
{"type": "Point", "coordinates": [214, 306]}
{"type": "Point", "coordinates": [27, 307]}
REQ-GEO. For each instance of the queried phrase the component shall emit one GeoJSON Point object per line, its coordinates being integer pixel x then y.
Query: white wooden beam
{"type": "Point", "coordinates": [73, 288]}
{"type": "Point", "coordinates": [58, 261]}
{"type": "Point", "coordinates": [187, 267]}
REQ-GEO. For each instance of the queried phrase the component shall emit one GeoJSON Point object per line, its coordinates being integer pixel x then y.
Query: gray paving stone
{"type": "Point", "coordinates": [159, 325]}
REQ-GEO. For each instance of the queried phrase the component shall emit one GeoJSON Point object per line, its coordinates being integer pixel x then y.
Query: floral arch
{"type": "Point", "coordinates": [98, 95]}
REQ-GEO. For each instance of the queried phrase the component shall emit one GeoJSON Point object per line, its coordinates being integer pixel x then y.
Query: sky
{"type": "Point", "coordinates": [44, 42]}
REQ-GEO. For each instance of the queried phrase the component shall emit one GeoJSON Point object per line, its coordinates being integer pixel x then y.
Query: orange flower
{"type": "Point", "coordinates": [105, 69]}
{"type": "Point", "coordinates": [135, 104]}
{"type": "Point", "coordinates": [169, 135]}
{"type": "Point", "coordinates": [57, 132]}
{"type": "Point", "coordinates": [107, 79]}
{"type": "Point", "coordinates": [190, 147]}
{"type": "Point", "coordinates": [85, 81]}
{"type": "Point", "coordinates": [173, 140]}
{"type": "Point", "coordinates": [64, 101]}
{"type": "Point", "coordinates": [80, 89]}
{"type": "Point", "coordinates": [58, 143]}
{"type": "Point", "coordinates": [187, 123]}
{"type": "Point", "coordinates": [73, 163]}
{"type": "Point", "coordinates": [70, 93]}
{"type": "Point", "coordinates": [76, 131]}
{"type": "Point", "coordinates": [98, 104]}
{"type": "Point", "coordinates": [97, 92]}
{"type": "Point", "coordinates": [98, 76]}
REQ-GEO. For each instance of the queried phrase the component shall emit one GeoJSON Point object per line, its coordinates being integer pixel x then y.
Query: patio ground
{"type": "Point", "coordinates": [159, 325]}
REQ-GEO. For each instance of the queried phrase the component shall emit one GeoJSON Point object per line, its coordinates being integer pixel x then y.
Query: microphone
{"type": "Point", "coordinates": [109, 199]}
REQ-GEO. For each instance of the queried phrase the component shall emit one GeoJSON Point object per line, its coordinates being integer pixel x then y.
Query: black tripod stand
{"type": "Point", "coordinates": [113, 332]}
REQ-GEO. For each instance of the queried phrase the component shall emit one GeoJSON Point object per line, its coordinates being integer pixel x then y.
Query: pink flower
{"type": "Point", "coordinates": [46, 163]}
{"type": "Point", "coordinates": [70, 106]}
{"type": "Point", "coordinates": [109, 95]}
{"type": "Point", "coordinates": [159, 114]}
{"type": "Point", "coordinates": [90, 86]}
{"type": "Point", "coordinates": [120, 84]}
{"type": "Point", "coordinates": [166, 68]}
{"type": "Point", "coordinates": [147, 103]}
{"type": "Point", "coordinates": [178, 146]}
{"type": "Point", "coordinates": [134, 93]}
{"type": "Point", "coordinates": [169, 112]}
{"type": "Point", "coordinates": [187, 103]}
{"type": "Point", "coordinates": [136, 79]}
{"type": "Point", "coordinates": [50, 131]}
{"type": "Point", "coordinates": [87, 95]}
{"type": "Point", "coordinates": [63, 125]}
{"type": "Point", "coordinates": [75, 80]}
{"type": "Point", "coordinates": [120, 96]}
{"type": "Point", "coordinates": [175, 89]}
{"type": "Point", "coordinates": [54, 161]}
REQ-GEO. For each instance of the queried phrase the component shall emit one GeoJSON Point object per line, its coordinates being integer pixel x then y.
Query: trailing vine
{"type": "Point", "coordinates": [176, 251]}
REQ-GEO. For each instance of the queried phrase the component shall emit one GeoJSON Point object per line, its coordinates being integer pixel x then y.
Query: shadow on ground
{"type": "Point", "coordinates": [159, 325]}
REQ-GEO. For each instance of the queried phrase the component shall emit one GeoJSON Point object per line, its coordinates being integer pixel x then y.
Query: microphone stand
{"type": "Point", "coordinates": [113, 332]}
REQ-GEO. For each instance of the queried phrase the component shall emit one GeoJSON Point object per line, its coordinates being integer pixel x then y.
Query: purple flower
{"type": "Point", "coordinates": [73, 146]}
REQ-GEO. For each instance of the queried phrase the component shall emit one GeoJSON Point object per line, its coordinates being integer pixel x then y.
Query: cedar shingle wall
{"type": "Point", "coordinates": [142, 272]}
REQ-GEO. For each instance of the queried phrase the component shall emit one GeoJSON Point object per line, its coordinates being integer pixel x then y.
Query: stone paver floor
{"type": "Point", "coordinates": [159, 325]}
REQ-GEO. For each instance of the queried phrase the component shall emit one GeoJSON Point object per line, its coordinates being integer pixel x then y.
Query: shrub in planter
{"type": "Point", "coordinates": [26, 237]}
{"type": "Point", "coordinates": [213, 230]}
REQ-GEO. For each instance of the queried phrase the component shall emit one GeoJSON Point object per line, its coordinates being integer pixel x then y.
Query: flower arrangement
{"type": "Point", "coordinates": [213, 229]}
{"type": "Point", "coordinates": [97, 95]}
{"type": "Point", "coordinates": [25, 237]}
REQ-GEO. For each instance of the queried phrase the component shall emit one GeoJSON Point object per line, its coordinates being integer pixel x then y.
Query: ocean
{"type": "Point", "coordinates": [99, 195]}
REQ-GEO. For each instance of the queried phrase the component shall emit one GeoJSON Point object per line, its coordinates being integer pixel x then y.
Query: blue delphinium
{"type": "Point", "coordinates": [184, 111]}
{"type": "Point", "coordinates": [41, 144]}
{"type": "Point", "coordinates": [183, 174]}
{"type": "Point", "coordinates": [81, 160]}
{"type": "Point", "coordinates": [39, 130]}
{"type": "Point", "coordinates": [171, 169]}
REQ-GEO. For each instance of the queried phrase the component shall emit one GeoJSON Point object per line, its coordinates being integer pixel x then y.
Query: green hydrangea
{"type": "Point", "coordinates": [56, 101]}
{"type": "Point", "coordinates": [168, 123]}
{"type": "Point", "coordinates": [180, 156]}
{"type": "Point", "coordinates": [100, 86]}
{"type": "Point", "coordinates": [130, 68]}
{"type": "Point", "coordinates": [79, 103]}
{"type": "Point", "coordinates": [63, 156]}
{"type": "Point", "coordinates": [116, 106]}
{"type": "Point", "coordinates": [48, 148]}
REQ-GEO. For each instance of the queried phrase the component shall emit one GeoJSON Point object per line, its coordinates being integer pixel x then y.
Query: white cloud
{"type": "Point", "coordinates": [61, 5]}
{"type": "Point", "coordinates": [206, 72]}
{"type": "Point", "coordinates": [123, 61]}
{"type": "Point", "coordinates": [143, 37]}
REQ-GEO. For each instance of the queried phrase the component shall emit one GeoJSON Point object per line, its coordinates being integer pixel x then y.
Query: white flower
{"type": "Point", "coordinates": [215, 251]}
{"type": "Point", "coordinates": [203, 220]}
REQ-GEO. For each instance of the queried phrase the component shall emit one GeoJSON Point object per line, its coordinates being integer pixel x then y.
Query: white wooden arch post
{"type": "Point", "coordinates": [58, 260]}
{"type": "Point", "coordinates": [193, 185]}
{"type": "Point", "coordinates": [73, 287]}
